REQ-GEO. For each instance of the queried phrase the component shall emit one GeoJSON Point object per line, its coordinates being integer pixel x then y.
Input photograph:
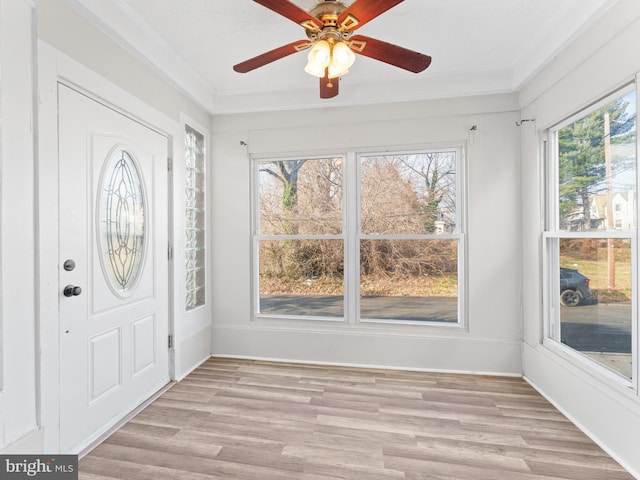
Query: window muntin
{"type": "Point", "coordinates": [195, 252]}
{"type": "Point", "coordinates": [593, 233]}
{"type": "Point", "coordinates": [394, 257]}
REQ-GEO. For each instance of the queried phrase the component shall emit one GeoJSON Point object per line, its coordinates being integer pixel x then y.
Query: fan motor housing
{"type": "Point", "coordinates": [328, 12]}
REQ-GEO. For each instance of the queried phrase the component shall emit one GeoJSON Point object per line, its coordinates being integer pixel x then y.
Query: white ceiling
{"type": "Point", "coordinates": [478, 47]}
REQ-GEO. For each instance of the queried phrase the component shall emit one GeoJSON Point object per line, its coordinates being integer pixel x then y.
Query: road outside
{"type": "Point", "coordinates": [426, 309]}
{"type": "Point", "coordinates": [601, 332]}
{"type": "Point", "coordinates": [605, 328]}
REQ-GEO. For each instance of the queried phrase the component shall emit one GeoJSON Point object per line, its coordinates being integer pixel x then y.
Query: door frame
{"type": "Point", "coordinates": [55, 67]}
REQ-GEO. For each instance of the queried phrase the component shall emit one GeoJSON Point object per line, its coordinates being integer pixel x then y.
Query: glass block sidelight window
{"type": "Point", "coordinates": [194, 218]}
{"type": "Point", "coordinates": [591, 234]}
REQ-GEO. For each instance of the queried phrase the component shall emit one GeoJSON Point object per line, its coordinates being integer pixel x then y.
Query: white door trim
{"type": "Point", "coordinates": [54, 67]}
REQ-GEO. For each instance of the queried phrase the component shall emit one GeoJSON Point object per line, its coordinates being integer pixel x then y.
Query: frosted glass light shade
{"type": "Point", "coordinates": [318, 59]}
{"type": "Point", "coordinates": [342, 57]}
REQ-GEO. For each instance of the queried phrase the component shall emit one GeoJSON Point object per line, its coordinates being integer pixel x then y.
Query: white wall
{"type": "Point", "coordinates": [493, 340]}
{"type": "Point", "coordinates": [603, 57]}
{"type": "Point", "coordinates": [18, 401]}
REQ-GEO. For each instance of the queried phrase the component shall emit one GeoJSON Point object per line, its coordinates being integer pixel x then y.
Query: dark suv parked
{"type": "Point", "coordinates": [574, 287]}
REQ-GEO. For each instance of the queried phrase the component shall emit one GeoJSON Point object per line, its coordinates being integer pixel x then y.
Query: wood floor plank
{"type": "Point", "coordinates": [577, 472]}
{"type": "Point", "coordinates": [255, 420]}
{"type": "Point", "coordinates": [173, 445]}
{"type": "Point", "coordinates": [580, 444]}
{"type": "Point", "coordinates": [332, 455]}
{"type": "Point", "coordinates": [477, 449]}
{"type": "Point", "coordinates": [182, 463]}
{"type": "Point", "coordinates": [151, 472]}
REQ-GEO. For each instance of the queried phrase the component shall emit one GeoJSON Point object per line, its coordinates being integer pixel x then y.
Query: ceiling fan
{"type": "Point", "coordinates": [330, 27]}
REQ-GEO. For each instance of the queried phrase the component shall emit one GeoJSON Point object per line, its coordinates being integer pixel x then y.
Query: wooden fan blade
{"type": "Point", "coordinates": [389, 53]}
{"type": "Point", "coordinates": [361, 12]}
{"type": "Point", "coordinates": [329, 86]}
{"type": "Point", "coordinates": [292, 12]}
{"type": "Point", "coordinates": [272, 56]}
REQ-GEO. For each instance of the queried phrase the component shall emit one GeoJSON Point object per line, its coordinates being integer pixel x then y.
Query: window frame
{"type": "Point", "coordinates": [351, 235]}
{"type": "Point", "coordinates": [552, 234]}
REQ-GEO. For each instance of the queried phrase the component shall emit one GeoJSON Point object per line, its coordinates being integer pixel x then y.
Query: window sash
{"type": "Point", "coordinates": [553, 235]}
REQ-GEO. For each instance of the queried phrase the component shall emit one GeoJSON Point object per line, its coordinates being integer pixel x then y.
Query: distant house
{"type": "Point", "coordinates": [622, 208]}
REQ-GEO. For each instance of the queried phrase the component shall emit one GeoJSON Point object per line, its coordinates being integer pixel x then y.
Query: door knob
{"type": "Point", "coordinates": [72, 291]}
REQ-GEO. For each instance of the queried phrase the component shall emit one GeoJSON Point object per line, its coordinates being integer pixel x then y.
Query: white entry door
{"type": "Point", "coordinates": [113, 266]}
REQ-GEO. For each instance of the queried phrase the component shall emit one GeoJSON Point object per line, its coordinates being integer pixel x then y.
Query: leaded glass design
{"type": "Point", "coordinates": [194, 218]}
{"type": "Point", "coordinates": [121, 214]}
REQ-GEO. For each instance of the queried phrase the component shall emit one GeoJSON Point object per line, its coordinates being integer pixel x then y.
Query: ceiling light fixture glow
{"type": "Point", "coordinates": [319, 59]}
{"type": "Point", "coordinates": [337, 57]}
{"type": "Point", "coordinates": [341, 60]}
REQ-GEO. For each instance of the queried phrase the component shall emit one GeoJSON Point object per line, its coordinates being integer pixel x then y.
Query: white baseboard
{"type": "Point", "coordinates": [366, 366]}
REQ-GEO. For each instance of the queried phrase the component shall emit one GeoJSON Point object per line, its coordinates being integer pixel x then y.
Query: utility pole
{"type": "Point", "coordinates": [611, 265]}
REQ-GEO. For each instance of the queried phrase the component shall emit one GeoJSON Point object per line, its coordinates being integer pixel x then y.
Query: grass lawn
{"type": "Point", "coordinates": [597, 272]}
{"type": "Point", "coordinates": [370, 285]}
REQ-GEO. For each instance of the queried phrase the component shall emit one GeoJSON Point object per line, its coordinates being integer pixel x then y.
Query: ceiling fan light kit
{"type": "Point", "coordinates": [329, 27]}
{"type": "Point", "coordinates": [332, 59]}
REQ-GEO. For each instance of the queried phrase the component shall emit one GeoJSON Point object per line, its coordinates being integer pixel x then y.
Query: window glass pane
{"type": "Point", "coordinates": [409, 194]}
{"type": "Point", "coordinates": [121, 212]}
{"type": "Point", "coordinates": [595, 296]}
{"type": "Point", "coordinates": [597, 169]}
{"type": "Point", "coordinates": [194, 218]}
{"type": "Point", "coordinates": [301, 197]}
{"type": "Point", "coordinates": [409, 280]}
{"type": "Point", "coordinates": [302, 277]}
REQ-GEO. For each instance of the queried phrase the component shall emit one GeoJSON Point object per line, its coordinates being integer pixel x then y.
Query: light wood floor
{"type": "Point", "coordinates": [233, 419]}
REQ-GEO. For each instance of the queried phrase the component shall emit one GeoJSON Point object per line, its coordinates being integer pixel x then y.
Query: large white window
{"type": "Point", "coordinates": [591, 235]}
{"type": "Point", "coordinates": [360, 237]}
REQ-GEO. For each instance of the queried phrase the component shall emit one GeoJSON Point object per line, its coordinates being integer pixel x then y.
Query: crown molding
{"type": "Point", "coordinates": [117, 20]}
{"type": "Point", "coordinates": [539, 50]}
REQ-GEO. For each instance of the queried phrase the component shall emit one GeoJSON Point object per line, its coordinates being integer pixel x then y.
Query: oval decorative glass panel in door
{"type": "Point", "coordinates": [121, 222]}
